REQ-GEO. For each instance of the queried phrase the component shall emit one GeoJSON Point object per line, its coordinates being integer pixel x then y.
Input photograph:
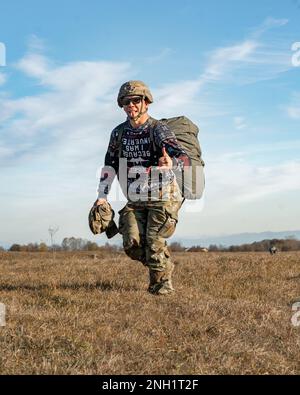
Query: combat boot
{"type": "Point", "coordinates": [161, 282]}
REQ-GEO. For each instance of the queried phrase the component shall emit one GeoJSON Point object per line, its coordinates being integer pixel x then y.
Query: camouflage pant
{"type": "Point", "coordinates": [145, 226]}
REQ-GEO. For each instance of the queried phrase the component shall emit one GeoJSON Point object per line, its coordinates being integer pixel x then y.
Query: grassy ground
{"type": "Point", "coordinates": [231, 314]}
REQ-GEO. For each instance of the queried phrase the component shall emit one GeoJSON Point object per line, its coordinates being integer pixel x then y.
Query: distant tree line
{"type": "Point", "coordinates": [68, 244]}
{"type": "Point", "coordinates": [78, 244]}
{"type": "Point", "coordinates": [31, 247]}
{"type": "Point", "coordinates": [288, 244]}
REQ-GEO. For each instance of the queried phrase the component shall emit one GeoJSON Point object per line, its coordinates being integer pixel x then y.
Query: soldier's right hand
{"type": "Point", "coordinates": [99, 202]}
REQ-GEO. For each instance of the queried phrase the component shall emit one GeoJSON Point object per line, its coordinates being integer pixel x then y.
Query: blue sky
{"type": "Point", "coordinates": [225, 64]}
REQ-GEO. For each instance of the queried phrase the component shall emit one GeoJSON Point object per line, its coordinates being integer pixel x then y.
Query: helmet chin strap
{"type": "Point", "coordinates": [138, 116]}
{"type": "Point", "coordinates": [140, 113]}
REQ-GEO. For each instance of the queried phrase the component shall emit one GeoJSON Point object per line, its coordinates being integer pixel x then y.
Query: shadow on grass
{"type": "Point", "coordinates": [104, 286]}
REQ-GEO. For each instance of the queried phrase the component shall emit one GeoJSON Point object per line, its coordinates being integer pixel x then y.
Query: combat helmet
{"type": "Point", "coordinates": [134, 88]}
{"type": "Point", "coordinates": [101, 219]}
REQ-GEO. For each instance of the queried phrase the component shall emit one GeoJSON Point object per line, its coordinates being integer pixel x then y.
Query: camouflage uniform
{"type": "Point", "coordinates": [145, 224]}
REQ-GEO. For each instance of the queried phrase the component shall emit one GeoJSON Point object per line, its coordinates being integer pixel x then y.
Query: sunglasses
{"type": "Point", "coordinates": [134, 100]}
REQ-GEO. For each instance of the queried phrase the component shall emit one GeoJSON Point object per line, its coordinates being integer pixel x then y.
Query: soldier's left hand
{"type": "Point", "coordinates": [165, 162]}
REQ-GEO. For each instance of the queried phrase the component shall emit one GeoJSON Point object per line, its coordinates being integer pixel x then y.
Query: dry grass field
{"type": "Point", "coordinates": [74, 314]}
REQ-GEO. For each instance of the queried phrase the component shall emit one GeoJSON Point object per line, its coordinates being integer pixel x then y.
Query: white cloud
{"type": "Point", "coordinates": [249, 62]}
{"type": "Point", "coordinates": [78, 106]}
{"type": "Point", "coordinates": [181, 94]}
{"type": "Point", "coordinates": [5, 151]}
{"type": "Point", "coordinates": [177, 97]}
{"type": "Point", "coordinates": [293, 109]}
{"type": "Point", "coordinates": [271, 180]}
{"type": "Point", "coordinates": [252, 60]}
{"type": "Point", "coordinates": [294, 112]}
{"type": "Point", "coordinates": [53, 142]}
{"type": "Point", "coordinates": [2, 79]}
{"type": "Point", "coordinates": [34, 65]}
{"type": "Point", "coordinates": [35, 44]}
{"type": "Point", "coordinates": [241, 196]}
{"type": "Point", "coordinates": [181, 97]}
{"type": "Point", "coordinates": [165, 52]}
{"type": "Point", "coordinates": [79, 99]}
{"type": "Point", "coordinates": [268, 24]}
{"type": "Point", "coordinates": [234, 180]}
{"type": "Point", "coordinates": [239, 123]}
{"type": "Point", "coordinates": [2, 54]}
{"type": "Point", "coordinates": [222, 59]}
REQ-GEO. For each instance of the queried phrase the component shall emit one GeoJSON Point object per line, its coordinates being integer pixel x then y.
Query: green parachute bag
{"type": "Point", "coordinates": [191, 181]}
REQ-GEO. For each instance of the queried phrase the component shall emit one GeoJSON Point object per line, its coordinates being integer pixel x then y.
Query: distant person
{"type": "Point", "coordinates": [142, 146]}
